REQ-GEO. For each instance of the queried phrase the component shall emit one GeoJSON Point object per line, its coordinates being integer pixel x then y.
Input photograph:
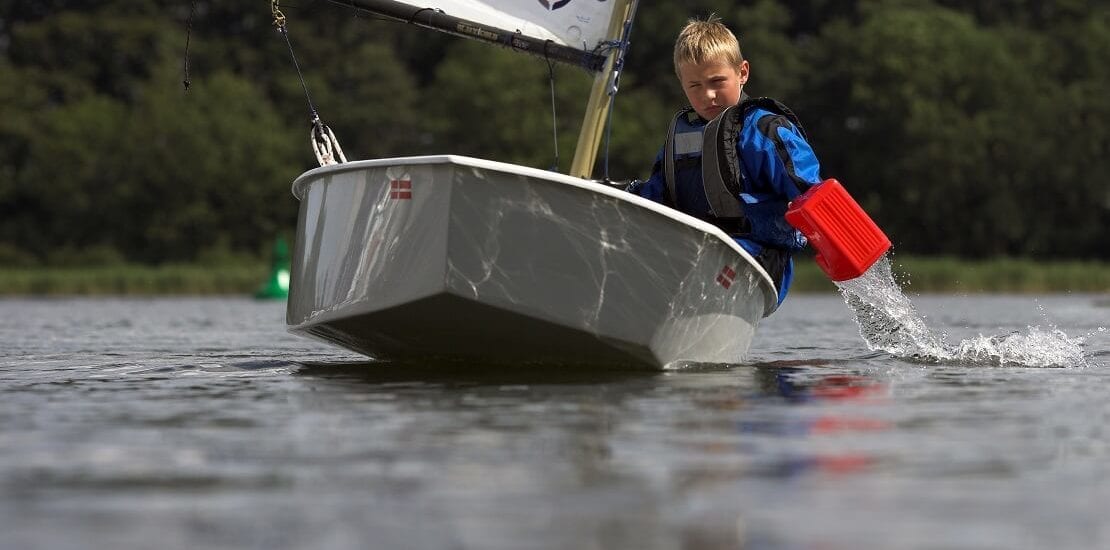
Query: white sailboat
{"type": "Point", "coordinates": [462, 258]}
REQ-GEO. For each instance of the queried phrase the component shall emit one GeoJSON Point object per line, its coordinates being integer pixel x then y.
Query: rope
{"type": "Point", "coordinates": [324, 143]}
{"type": "Point", "coordinates": [285, 34]}
{"type": "Point", "coordinates": [188, 36]}
{"type": "Point", "coordinates": [279, 18]}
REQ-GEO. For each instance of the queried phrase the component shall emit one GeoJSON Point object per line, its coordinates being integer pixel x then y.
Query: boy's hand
{"type": "Point", "coordinates": [626, 185]}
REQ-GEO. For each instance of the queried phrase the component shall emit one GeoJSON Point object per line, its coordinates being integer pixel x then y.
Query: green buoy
{"type": "Point", "coordinates": [277, 285]}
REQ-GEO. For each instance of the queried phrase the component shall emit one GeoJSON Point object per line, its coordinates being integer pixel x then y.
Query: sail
{"type": "Point", "coordinates": [569, 31]}
{"type": "Point", "coordinates": [574, 23]}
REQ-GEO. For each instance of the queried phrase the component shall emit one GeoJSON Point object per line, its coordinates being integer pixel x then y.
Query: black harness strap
{"type": "Point", "coordinates": [722, 191]}
{"type": "Point", "coordinates": [668, 157]}
{"type": "Point", "coordinates": [721, 168]}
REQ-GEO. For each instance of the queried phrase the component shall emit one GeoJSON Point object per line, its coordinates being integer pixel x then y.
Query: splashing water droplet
{"type": "Point", "coordinates": [1033, 348]}
{"type": "Point", "coordinates": [886, 318]}
{"type": "Point", "coordinates": [888, 322]}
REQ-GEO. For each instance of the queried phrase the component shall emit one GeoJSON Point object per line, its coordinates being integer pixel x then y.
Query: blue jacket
{"type": "Point", "coordinates": [776, 165]}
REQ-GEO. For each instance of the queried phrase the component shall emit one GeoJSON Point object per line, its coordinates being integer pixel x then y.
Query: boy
{"type": "Point", "coordinates": [738, 171]}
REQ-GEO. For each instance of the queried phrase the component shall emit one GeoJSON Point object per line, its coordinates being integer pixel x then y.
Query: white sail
{"type": "Point", "coordinates": [580, 24]}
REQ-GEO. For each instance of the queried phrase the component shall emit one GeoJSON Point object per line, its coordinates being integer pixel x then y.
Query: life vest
{"type": "Point", "coordinates": [713, 147]}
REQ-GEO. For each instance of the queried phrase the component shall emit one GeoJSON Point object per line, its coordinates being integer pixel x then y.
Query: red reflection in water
{"type": "Point", "coordinates": [845, 388]}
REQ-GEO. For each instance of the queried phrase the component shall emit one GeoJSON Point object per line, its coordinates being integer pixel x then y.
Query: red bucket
{"type": "Point", "coordinates": [846, 239]}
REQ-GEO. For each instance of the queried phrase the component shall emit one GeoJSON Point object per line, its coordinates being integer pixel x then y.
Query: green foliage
{"type": "Point", "coordinates": [488, 101]}
{"type": "Point", "coordinates": [639, 125]}
{"type": "Point", "coordinates": [105, 53]}
{"type": "Point", "coordinates": [975, 130]}
{"type": "Point", "coordinates": [161, 179]}
{"type": "Point", "coordinates": [775, 58]}
{"type": "Point", "coordinates": [216, 165]}
{"type": "Point", "coordinates": [951, 140]}
{"type": "Point", "coordinates": [918, 97]}
{"type": "Point", "coordinates": [370, 75]}
{"type": "Point", "coordinates": [73, 152]}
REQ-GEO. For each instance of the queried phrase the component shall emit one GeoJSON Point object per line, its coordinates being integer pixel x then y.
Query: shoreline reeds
{"type": "Point", "coordinates": [952, 275]}
{"type": "Point", "coordinates": [914, 274]}
{"type": "Point", "coordinates": [132, 280]}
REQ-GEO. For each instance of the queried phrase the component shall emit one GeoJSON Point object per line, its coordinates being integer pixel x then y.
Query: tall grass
{"type": "Point", "coordinates": [928, 274]}
{"type": "Point", "coordinates": [132, 280]}
{"type": "Point", "coordinates": [915, 274]}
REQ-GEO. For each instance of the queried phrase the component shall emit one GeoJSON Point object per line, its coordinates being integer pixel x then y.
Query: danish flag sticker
{"type": "Point", "coordinates": [400, 189]}
{"type": "Point", "coordinates": [726, 276]}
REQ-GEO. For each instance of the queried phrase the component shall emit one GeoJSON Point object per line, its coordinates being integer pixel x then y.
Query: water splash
{"type": "Point", "coordinates": [888, 322]}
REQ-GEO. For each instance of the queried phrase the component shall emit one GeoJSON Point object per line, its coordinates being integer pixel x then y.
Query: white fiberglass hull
{"type": "Point", "coordinates": [455, 257]}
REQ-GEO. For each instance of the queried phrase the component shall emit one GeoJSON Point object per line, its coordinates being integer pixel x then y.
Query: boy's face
{"type": "Point", "coordinates": [712, 86]}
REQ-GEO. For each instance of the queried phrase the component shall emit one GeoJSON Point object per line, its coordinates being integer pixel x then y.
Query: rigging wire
{"type": "Point", "coordinates": [279, 22]}
{"type": "Point", "coordinates": [324, 143]}
{"type": "Point", "coordinates": [608, 133]}
{"type": "Point", "coordinates": [554, 118]}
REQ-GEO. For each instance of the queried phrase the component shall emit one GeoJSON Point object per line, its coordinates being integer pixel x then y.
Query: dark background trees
{"type": "Point", "coordinates": [971, 130]}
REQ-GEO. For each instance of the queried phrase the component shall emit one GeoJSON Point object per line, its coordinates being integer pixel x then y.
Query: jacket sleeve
{"type": "Point", "coordinates": [653, 187]}
{"type": "Point", "coordinates": [777, 156]}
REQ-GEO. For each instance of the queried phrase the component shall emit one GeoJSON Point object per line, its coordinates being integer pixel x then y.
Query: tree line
{"type": "Point", "coordinates": [977, 130]}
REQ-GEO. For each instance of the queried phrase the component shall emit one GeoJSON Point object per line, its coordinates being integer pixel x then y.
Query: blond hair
{"type": "Point", "coordinates": [703, 41]}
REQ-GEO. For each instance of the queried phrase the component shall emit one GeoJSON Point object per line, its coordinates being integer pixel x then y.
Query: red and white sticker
{"type": "Point", "coordinates": [400, 189]}
{"type": "Point", "coordinates": [726, 276]}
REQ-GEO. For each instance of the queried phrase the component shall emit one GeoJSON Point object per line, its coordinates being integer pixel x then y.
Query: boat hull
{"type": "Point", "coordinates": [455, 257]}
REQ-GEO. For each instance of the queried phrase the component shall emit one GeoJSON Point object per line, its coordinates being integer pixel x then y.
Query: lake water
{"type": "Point", "coordinates": [200, 423]}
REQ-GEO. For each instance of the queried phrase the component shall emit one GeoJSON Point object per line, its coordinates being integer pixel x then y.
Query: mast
{"type": "Point", "coordinates": [593, 123]}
